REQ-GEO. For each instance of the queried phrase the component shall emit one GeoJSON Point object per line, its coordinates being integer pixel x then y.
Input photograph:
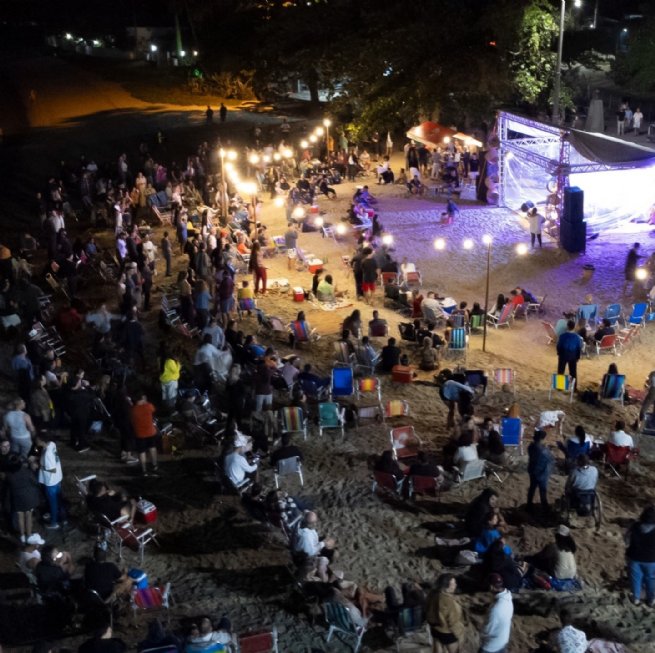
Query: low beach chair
{"type": "Point", "coordinates": [607, 344]}
{"type": "Point", "coordinates": [613, 388]}
{"type": "Point", "coordinates": [292, 420]}
{"type": "Point", "coordinates": [476, 323]}
{"type": "Point", "coordinates": [616, 456]}
{"type": "Point", "coordinates": [410, 624]}
{"type": "Point", "coordinates": [613, 314]}
{"type": "Point", "coordinates": [288, 467]}
{"type": "Point", "coordinates": [538, 306]}
{"type": "Point", "coordinates": [511, 433]}
{"type": "Point", "coordinates": [458, 342]}
{"type": "Point", "coordinates": [301, 334]}
{"type": "Point", "coordinates": [387, 483]}
{"type": "Point", "coordinates": [424, 485]}
{"type": "Point", "coordinates": [342, 355]}
{"type": "Point", "coordinates": [257, 641]}
{"type": "Point", "coordinates": [638, 315]}
{"type": "Point", "coordinates": [342, 384]}
{"type": "Point", "coordinates": [151, 599]}
{"type": "Point", "coordinates": [588, 313]}
{"type": "Point", "coordinates": [369, 386]}
{"type": "Point", "coordinates": [339, 620]}
{"type": "Point", "coordinates": [396, 408]}
{"type": "Point", "coordinates": [562, 383]}
{"type": "Point", "coordinates": [331, 416]}
{"type": "Point", "coordinates": [404, 442]}
{"type": "Point", "coordinates": [550, 332]}
{"type": "Point", "coordinates": [504, 376]}
{"type": "Point", "coordinates": [505, 317]}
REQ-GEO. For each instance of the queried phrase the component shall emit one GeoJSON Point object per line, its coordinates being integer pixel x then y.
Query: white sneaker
{"type": "Point", "coordinates": [131, 461]}
{"type": "Point", "coordinates": [23, 539]}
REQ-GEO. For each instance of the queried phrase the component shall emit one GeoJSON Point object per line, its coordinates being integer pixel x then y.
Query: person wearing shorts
{"type": "Point", "coordinates": [370, 273]}
{"type": "Point", "coordinates": [145, 433]}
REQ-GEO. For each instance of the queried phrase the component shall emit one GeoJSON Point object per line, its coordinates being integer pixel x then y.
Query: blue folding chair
{"type": "Point", "coordinates": [588, 313]}
{"type": "Point", "coordinates": [613, 313]}
{"type": "Point", "coordinates": [511, 433]}
{"type": "Point", "coordinates": [457, 342]}
{"type": "Point", "coordinates": [638, 315]}
{"type": "Point", "coordinates": [613, 387]}
{"type": "Point", "coordinates": [342, 384]}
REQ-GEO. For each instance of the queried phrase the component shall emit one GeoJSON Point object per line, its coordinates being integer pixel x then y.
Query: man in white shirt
{"type": "Point", "coordinates": [311, 548]}
{"type": "Point", "coordinates": [619, 437]}
{"type": "Point", "coordinates": [51, 475]}
{"type": "Point", "coordinates": [237, 467]}
{"type": "Point", "coordinates": [494, 636]}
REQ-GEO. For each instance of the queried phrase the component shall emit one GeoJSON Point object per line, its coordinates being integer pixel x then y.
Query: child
{"type": "Point", "coordinates": [246, 297]}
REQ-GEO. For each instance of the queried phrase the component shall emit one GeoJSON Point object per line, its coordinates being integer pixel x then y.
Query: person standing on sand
{"type": "Point", "coordinates": [569, 348]}
{"type": "Point", "coordinates": [494, 636]}
{"type": "Point", "coordinates": [640, 555]}
{"type": "Point", "coordinates": [536, 221]}
{"type": "Point", "coordinates": [540, 466]}
{"type": "Point", "coordinates": [631, 266]}
{"type": "Point", "coordinates": [222, 112]}
{"type": "Point", "coordinates": [445, 615]}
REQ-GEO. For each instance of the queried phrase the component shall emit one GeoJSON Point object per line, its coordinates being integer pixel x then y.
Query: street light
{"type": "Point", "coordinates": [304, 144]}
{"type": "Point", "coordinates": [558, 68]}
{"type": "Point", "coordinates": [319, 131]}
{"type": "Point", "coordinates": [468, 243]}
{"type": "Point", "coordinates": [313, 139]}
{"type": "Point", "coordinates": [327, 123]}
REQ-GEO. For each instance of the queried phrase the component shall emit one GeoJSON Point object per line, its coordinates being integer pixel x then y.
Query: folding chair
{"type": "Point", "coordinates": [331, 416]}
{"type": "Point", "coordinates": [380, 330]}
{"type": "Point", "coordinates": [458, 342]}
{"type": "Point", "coordinates": [342, 384]}
{"type": "Point", "coordinates": [271, 325]}
{"type": "Point", "coordinates": [245, 305]}
{"type": "Point", "coordinates": [389, 277]}
{"type": "Point", "coordinates": [151, 599]}
{"type": "Point", "coordinates": [477, 380]}
{"type": "Point", "coordinates": [288, 467]}
{"type": "Point", "coordinates": [369, 386]}
{"type": "Point", "coordinates": [458, 320]}
{"type": "Point", "coordinates": [387, 483]}
{"type": "Point", "coordinates": [125, 535]}
{"type": "Point", "coordinates": [550, 332]}
{"type": "Point", "coordinates": [312, 391]}
{"type": "Point", "coordinates": [411, 622]}
{"type": "Point", "coordinates": [504, 376]}
{"type": "Point", "coordinates": [588, 313]}
{"type": "Point", "coordinates": [280, 244]}
{"type": "Point", "coordinates": [616, 456]}
{"type": "Point", "coordinates": [471, 471]}
{"type": "Point", "coordinates": [396, 408]}
{"type": "Point", "coordinates": [342, 354]}
{"type": "Point", "coordinates": [520, 312]}
{"type": "Point", "coordinates": [169, 311]}
{"type": "Point", "coordinates": [301, 334]}
{"type": "Point", "coordinates": [422, 485]}
{"type": "Point", "coordinates": [339, 620]}
{"type": "Point", "coordinates": [607, 344]}
{"type": "Point", "coordinates": [538, 306]}
{"type": "Point", "coordinates": [413, 279]}
{"type": "Point", "coordinates": [613, 314]}
{"type": "Point", "coordinates": [292, 420]}
{"type": "Point", "coordinates": [638, 315]}
{"type": "Point", "coordinates": [505, 317]}
{"type": "Point", "coordinates": [82, 486]}
{"type": "Point", "coordinates": [562, 383]}
{"type": "Point", "coordinates": [511, 433]}
{"type": "Point", "coordinates": [404, 442]}
{"type": "Point", "coordinates": [55, 285]}
{"type": "Point", "coordinates": [476, 323]}
{"type": "Point", "coordinates": [613, 388]}
{"type": "Point", "coordinates": [625, 337]}
{"type": "Point", "coordinates": [259, 641]}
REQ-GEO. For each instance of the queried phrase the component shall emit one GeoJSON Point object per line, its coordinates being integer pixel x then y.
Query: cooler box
{"type": "Point", "coordinates": [146, 511]}
{"type": "Point", "coordinates": [139, 578]}
{"type": "Point", "coordinates": [298, 295]}
{"type": "Point", "coordinates": [313, 209]}
{"type": "Point", "coordinates": [314, 265]}
{"type": "Point", "coordinates": [402, 374]}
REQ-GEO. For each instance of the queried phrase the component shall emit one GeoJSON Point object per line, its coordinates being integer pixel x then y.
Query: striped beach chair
{"type": "Point", "coordinates": [151, 599]}
{"type": "Point", "coordinates": [292, 420]}
{"type": "Point", "coordinates": [301, 333]}
{"type": "Point", "coordinates": [504, 376]}
{"type": "Point", "coordinates": [613, 387]}
{"type": "Point", "coordinates": [457, 342]}
{"type": "Point", "coordinates": [396, 408]}
{"type": "Point", "coordinates": [562, 383]}
{"type": "Point", "coordinates": [369, 386]}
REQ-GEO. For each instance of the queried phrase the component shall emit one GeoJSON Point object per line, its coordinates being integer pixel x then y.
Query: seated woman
{"type": "Point", "coordinates": [429, 356]}
{"type": "Point", "coordinates": [497, 308]}
{"type": "Point", "coordinates": [575, 446]}
{"type": "Point", "coordinates": [489, 535]}
{"type": "Point", "coordinates": [353, 323]}
{"type": "Point", "coordinates": [557, 559]}
{"type": "Point", "coordinates": [495, 451]}
{"type": "Point", "coordinates": [300, 326]}
{"type": "Point", "coordinates": [479, 510]}
{"type": "Point", "coordinates": [467, 451]}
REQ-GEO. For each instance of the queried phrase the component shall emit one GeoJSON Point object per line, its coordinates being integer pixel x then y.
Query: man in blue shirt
{"type": "Point", "coordinates": [569, 348]}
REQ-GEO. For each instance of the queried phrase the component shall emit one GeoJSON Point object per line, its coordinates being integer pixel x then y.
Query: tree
{"type": "Point", "coordinates": [635, 69]}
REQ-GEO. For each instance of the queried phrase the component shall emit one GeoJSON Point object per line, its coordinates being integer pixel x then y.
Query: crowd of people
{"type": "Point", "coordinates": [223, 371]}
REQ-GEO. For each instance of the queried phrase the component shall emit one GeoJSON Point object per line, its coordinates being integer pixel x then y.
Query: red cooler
{"type": "Point", "coordinates": [314, 265]}
{"type": "Point", "coordinates": [298, 295]}
{"type": "Point", "coordinates": [146, 511]}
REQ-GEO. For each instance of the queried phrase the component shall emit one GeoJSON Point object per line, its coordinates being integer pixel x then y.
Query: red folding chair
{"type": "Point", "coordinates": [263, 641]}
{"type": "Point", "coordinates": [151, 599]}
{"type": "Point", "coordinates": [616, 456]}
{"type": "Point", "coordinates": [424, 485]}
{"type": "Point", "coordinates": [387, 483]}
{"type": "Point", "coordinates": [404, 442]}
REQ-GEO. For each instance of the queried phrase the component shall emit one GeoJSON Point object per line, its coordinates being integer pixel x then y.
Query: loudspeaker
{"type": "Point", "coordinates": [573, 205]}
{"type": "Point", "coordinates": [572, 236]}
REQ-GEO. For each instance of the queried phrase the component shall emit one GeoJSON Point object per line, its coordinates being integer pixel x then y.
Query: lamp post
{"type": "Point", "coordinates": [469, 244]}
{"type": "Point", "coordinates": [230, 155]}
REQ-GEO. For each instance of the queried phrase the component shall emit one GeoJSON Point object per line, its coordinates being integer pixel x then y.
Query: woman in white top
{"type": "Point", "coordinates": [19, 428]}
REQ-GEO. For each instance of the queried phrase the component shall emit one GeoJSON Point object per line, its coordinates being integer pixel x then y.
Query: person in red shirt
{"type": "Point", "coordinates": [145, 433]}
{"type": "Point", "coordinates": [517, 298]}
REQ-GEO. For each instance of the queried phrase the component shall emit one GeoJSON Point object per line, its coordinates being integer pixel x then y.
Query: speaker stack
{"type": "Point", "coordinates": [572, 227]}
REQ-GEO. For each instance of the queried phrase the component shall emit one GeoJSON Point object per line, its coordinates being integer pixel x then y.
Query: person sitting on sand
{"type": "Point", "coordinates": [353, 323]}
{"type": "Point", "coordinates": [389, 356]}
{"type": "Point", "coordinates": [479, 510]}
{"type": "Point", "coordinates": [429, 356]}
{"type": "Point", "coordinates": [498, 560]}
{"type": "Point", "coordinates": [327, 290]}
{"type": "Point", "coordinates": [557, 559]}
{"type": "Point", "coordinates": [366, 354]}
